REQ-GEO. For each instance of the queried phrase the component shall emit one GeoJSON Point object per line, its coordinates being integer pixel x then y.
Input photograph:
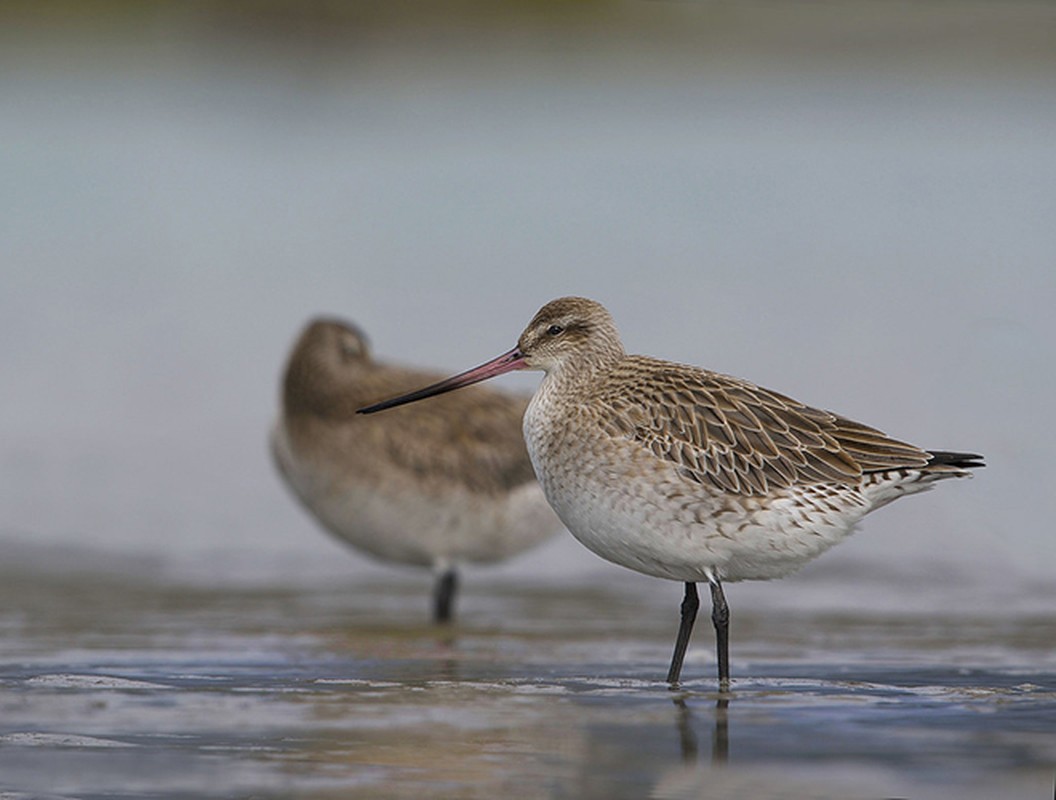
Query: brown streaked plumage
{"type": "Point", "coordinates": [687, 474]}
{"type": "Point", "coordinates": [735, 437]}
{"type": "Point", "coordinates": [435, 486]}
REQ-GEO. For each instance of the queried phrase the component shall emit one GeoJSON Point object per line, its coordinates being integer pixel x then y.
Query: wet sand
{"type": "Point", "coordinates": [125, 682]}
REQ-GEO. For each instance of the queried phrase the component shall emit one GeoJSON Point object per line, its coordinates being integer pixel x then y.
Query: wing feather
{"type": "Point", "coordinates": [472, 438]}
{"type": "Point", "coordinates": [737, 437]}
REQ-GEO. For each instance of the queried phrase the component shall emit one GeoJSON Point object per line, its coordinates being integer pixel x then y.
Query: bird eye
{"type": "Point", "coordinates": [350, 348]}
{"type": "Point", "coordinates": [555, 330]}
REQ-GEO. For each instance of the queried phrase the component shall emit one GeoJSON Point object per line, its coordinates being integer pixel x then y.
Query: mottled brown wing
{"type": "Point", "coordinates": [472, 437]}
{"type": "Point", "coordinates": [738, 437]}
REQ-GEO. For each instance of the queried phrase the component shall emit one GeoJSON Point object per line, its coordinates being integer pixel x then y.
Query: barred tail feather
{"type": "Point", "coordinates": [943, 460]}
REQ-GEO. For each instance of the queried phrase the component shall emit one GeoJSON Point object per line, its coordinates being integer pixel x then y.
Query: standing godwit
{"type": "Point", "coordinates": [686, 474]}
{"type": "Point", "coordinates": [434, 485]}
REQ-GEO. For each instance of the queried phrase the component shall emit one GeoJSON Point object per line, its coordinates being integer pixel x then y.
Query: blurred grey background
{"type": "Point", "coordinates": [852, 203]}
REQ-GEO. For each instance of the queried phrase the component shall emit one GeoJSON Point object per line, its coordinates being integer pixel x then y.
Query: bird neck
{"type": "Point", "coordinates": [574, 377]}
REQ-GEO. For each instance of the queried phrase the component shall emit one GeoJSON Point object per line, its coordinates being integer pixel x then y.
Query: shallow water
{"type": "Point", "coordinates": [122, 682]}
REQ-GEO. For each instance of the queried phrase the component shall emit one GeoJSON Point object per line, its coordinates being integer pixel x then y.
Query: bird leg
{"type": "Point", "coordinates": [444, 595]}
{"type": "Point", "coordinates": [690, 604]}
{"type": "Point", "coordinates": [720, 617]}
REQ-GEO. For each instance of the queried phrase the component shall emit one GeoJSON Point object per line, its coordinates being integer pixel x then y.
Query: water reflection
{"type": "Point", "coordinates": [720, 736]}
{"type": "Point", "coordinates": [720, 743]}
{"type": "Point", "coordinates": [686, 735]}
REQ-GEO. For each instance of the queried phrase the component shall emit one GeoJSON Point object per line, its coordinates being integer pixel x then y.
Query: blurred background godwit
{"type": "Point", "coordinates": [852, 202]}
{"type": "Point", "coordinates": [436, 487]}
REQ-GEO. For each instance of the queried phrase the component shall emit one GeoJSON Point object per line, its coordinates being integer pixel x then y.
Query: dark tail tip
{"type": "Point", "coordinates": [959, 460]}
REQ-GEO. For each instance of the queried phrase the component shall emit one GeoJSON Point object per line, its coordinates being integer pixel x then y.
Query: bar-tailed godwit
{"type": "Point", "coordinates": [686, 474]}
{"type": "Point", "coordinates": [434, 485]}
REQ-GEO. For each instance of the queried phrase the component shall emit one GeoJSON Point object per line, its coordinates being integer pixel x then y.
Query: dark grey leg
{"type": "Point", "coordinates": [444, 595]}
{"type": "Point", "coordinates": [690, 604]}
{"type": "Point", "coordinates": [720, 616]}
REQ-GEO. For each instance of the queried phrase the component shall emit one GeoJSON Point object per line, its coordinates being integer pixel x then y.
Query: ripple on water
{"type": "Point", "coordinates": [36, 739]}
{"type": "Point", "coordinates": [79, 681]}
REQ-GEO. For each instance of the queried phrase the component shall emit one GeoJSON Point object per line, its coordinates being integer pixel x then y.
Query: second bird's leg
{"type": "Point", "coordinates": [720, 617]}
{"type": "Point", "coordinates": [690, 604]}
{"type": "Point", "coordinates": [444, 595]}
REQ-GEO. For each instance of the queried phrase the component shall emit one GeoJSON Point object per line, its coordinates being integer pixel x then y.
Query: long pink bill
{"type": "Point", "coordinates": [507, 362]}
